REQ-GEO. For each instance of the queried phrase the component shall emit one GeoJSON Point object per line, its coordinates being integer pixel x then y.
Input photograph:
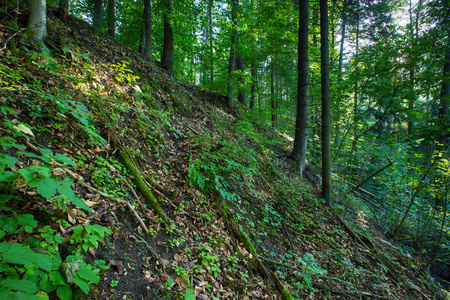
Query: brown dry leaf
{"type": "Point", "coordinates": [91, 251]}
{"type": "Point", "coordinates": [183, 281]}
{"type": "Point", "coordinates": [166, 263]}
{"type": "Point", "coordinates": [73, 212]}
{"type": "Point", "coordinates": [178, 257]}
{"type": "Point", "coordinates": [58, 171]}
{"type": "Point", "coordinates": [119, 265]}
{"type": "Point", "coordinates": [198, 290]}
{"type": "Point", "coordinates": [117, 232]}
{"type": "Point", "coordinates": [71, 220]}
{"type": "Point", "coordinates": [89, 203]}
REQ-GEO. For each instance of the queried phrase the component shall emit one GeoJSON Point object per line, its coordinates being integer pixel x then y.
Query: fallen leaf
{"type": "Point", "coordinates": [117, 232]}
{"type": "Point", "coordinates": [92, 251]}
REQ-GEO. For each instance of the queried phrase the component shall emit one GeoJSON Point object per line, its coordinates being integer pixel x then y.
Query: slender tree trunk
{"type": "Point", "coordinates": [111, 10]}
{"type": "Point", "coordinates": [211, 49]}
{"type": "Point", "coordinates": [38, 20]}
{"type": "Point", "coordinates": [445, 89]}
{"type": "Point", "coordinates": [147, 29]}
{"type": "Point", "coordinates": [253, 88]}
{"type": "Point", "coordinates": [272, 96]}
{"type": "Point", "coordinates": [341, 52]}
{"type": "Point", "coordinates": [63, 10]}
{"type": "Point", "coordinates": [98, 15]}
{"type": "Point", "coordinates": [240, 67]}
{"type": "Point", "coordinates": [168, 48]}
{"type": "Point", "coordinates": [141, 42]}
{"type": "Point", "coordinates": [232, 64]}
{"type": "Point", "coordinates": [326, 102]}
{"type": "Point", "coordinates": [301, 120]}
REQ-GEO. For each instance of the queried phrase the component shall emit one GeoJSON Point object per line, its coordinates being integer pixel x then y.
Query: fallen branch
{"type": "Point", "coordinates": [369, 246]}
{"type": "Point", "coordinates": [373, 175]}
{"type": "Point", "coordinates": [347, 292]}
{"type": "Point", "coordinates": [151, 200]}
{"type": "Point", "coordinates": [104, 195]}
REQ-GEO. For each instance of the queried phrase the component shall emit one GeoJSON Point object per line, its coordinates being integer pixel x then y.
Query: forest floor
{"type": "Point", "coordinates": [197, 157]}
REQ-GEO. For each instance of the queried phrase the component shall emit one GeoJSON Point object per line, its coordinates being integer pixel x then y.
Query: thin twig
{"type": "Point", "coordinates": [79, 179]}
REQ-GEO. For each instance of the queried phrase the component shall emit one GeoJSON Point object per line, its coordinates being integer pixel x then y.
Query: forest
{"type": "Point", "coordinates": [237, 149]}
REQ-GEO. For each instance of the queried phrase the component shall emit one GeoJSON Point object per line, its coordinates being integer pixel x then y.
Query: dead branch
{"type": "Point", "coordinates": [373, 175]}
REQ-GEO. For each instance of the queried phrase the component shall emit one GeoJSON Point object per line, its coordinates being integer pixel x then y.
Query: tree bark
{"type": "Point", "coordinates": [63, 10]}
{"type": "Point", "coordinates": [111, 18]}
{"type": "Point", "coordinates": [168, 48]}
{"type": "Point", "coordinates": [326, 103]}
{"type": "Point", "coordinates": [232, 63]}
{"type": "Point", "coordinates": [253, 88]}
{"type": "Point", "coordinates": [301, 120]}
{"type": "Point", "coordinates": [98, 15]}
{"type": "Point", "coordinates": [211, 49]}
{"type": "Point", "coordinates": [240, 67]}
{"type": "Point", "coordinates": [341, 52]}
{"type": "Point", "coordinates": [147, 48]}
{"type": "Point", "coordinates": [38, 20]}
{"type": "Point", "coordinates": [272, 96]}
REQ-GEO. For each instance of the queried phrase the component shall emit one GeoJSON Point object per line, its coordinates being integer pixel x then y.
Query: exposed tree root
{"type": "Point", "coordinates": [151, 200]}
{"type": "Point", "coordinates": [255, 262]}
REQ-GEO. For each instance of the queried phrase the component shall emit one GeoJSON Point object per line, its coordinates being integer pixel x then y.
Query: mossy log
{"type": "Point", "coordinates": [285, 294]}
{"type": "Point", "coordinates": [254, 262]}
{"type": "Point", "coordinates": [150, 198]}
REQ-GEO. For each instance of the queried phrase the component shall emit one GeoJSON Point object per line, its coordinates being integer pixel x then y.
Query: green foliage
{"type": "Point", "coordinates": [25, 270]}
{"type": "Point", "coordinates": [88, 236]}
{"type": "Point", "coordinates": [209, 260]}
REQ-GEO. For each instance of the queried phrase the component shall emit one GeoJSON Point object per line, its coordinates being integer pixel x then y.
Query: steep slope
{"type": "Point", "coordinates": [100, 146]}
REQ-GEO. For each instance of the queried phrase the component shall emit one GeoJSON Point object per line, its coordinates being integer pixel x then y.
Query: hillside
{"type": "Point", "coordinates": [123, 182]}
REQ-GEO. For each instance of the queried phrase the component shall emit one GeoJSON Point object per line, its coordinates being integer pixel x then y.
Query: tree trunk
{"type": "Point", "coordinates": [38, 20]}
{"type": "Point", "coordinates": [147, 48]}
{"type": "Point", "coordinates": [211, 49]}
{"type": "Point", "coordinates": [141, 42]}
{"type": "Point", "coordinates": [232, 64]}
{"type": "Point", "coordinates": [98, 15]}
{"type": "Point", "coordinates": [301, 120]}
{"type": "Point", "coordinates": [240, 67]}
{"type": "Point", "coordinates": [253, 88]}
{"type": "Point", "coordinates": [167, 57]}
{"type": "Point", "coordinates": [341, 52]}
{"type": "Point", "coordinates": [326, 103]}
{"type": "Point", "coordinates": [63, 10]}
{"type": "Point", "coordinates": [272, 96]}
{"type": "Point", "coordinates": [111, 18]}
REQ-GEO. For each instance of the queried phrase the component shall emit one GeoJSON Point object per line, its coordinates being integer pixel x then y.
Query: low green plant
{"type": "Point", "coordinates": [209, 260]}
{"type": "Point", "coordinates": [310, 270]}
{"type": "Point", "coordinates": [87, 236]}
{"type": "Point", "coordinates": [176, 242]}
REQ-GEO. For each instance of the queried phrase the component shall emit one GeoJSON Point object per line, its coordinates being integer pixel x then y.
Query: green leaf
{"type": "Point", "coordinates": [24, 129]}
{"type": "Point", "coordinates": [88, 275]}
{"type": "Point", "coordinates": [22, 255]}
{"type": "Point", "coordinates": [27, 219]}
{"type": "Point", "coordinates": [46, 284]}
{"type": "Point", "coordinates": [64, 292]}
{"type": "Point", "coordinates": [4, 198]}
{"type": "Point", "coordinates": [45, 151]}
{"type": "Point", "coordinates": [83, 284]}
{"type": "Point", "coordinates": [47, 187]}
{"type": "Point", "coordinates": [42, 170]}
{"type": "Point", "coordinates": [57, 278]}
{"type": "Point", "coordinates": [64, 159]}
{"type": "Point", "coordinates": [8, 176]}
{"type": "Point", "coordinates": [10, 161]}
{"type": "Point", "coordinates": [19, 285]}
